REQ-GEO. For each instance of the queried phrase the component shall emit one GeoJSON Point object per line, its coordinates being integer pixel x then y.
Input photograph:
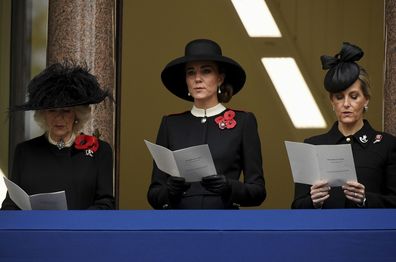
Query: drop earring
{"type": "Point", "coordinates": [188, 94]}
{"type": "Point", "coordinates": [365, 108]}
{"type": "Point", "coordinates": [219, 89]}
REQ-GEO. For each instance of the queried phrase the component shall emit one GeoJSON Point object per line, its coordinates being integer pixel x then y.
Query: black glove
{"type": "Point", "coordinates": [176, 186]}
{"type": "Point", "coordinates": [217, 184]}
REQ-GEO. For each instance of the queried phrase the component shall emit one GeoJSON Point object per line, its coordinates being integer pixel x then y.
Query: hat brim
{"type": "Point", "coordinates": [62, 104]}
{"type": "Point", "coordinates": [174, 78]}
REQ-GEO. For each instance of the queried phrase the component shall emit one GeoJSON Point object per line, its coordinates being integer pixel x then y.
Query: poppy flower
{"type": "Point", "coordinates": [88, 143]}
{"type": "Point", "coordinates": [227, 120]}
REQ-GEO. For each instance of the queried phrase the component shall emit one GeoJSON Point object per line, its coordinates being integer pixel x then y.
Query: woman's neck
{"type": "Point", "coordinates": [350, 129]}
{"type": "Point", "coordinates": [60, 138]}
{"type": "Point", "coordinates": [205, 104]}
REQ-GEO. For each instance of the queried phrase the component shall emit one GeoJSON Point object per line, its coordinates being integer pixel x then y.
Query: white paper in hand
{"type": "Point", "coordinates": [192, 163]}
{"type": "Point", "coordinates": [311, 163]}
{"type": "Point", "coordinates": [43, 201]}
{"type": "Point", "coordinates": [18, 195]}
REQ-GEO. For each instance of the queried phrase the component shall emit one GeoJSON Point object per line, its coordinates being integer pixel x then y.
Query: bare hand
{"type": "Point", "coordinates": [319, 193]}
{"type": "Point", "coordinates": [354, 191]}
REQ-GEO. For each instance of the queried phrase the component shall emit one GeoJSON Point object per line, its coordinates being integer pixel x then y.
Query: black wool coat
{"type": "Point", "coordinates": [236, 150]}
{"type": "Point", "coordinates": [40, 167]}
{"type": "Point", "coordinates": [374, 156]}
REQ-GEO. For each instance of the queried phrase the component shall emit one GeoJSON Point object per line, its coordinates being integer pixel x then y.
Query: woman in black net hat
{"type": "Point", "coordinates": [374, 152]}
{"type": "Point", "coordinates": [62, 159]}
{"type": "Point", "coordinates": [207, 78]}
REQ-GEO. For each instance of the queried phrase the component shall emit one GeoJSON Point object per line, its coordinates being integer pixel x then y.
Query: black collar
{"type": "Point", "coordinates": [364, 136]}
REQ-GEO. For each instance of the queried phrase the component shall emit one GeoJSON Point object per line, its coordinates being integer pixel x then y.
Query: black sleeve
{"type": "Point", "coordinates": [302, 196]}
{"type": "Point", "coordinates": [157, 194]}
{"type": "Point", "coordinates": [252, 191]}
{"type": "Point", "coordinates": [104, 198]}
{"type": "Point", "coordinates": [302, 193]}
{"type": "Point", "coordinates": [387, 198]}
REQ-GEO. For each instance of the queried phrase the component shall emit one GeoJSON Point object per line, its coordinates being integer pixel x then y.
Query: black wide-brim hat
{"type": "Point", "coordinates": [343, 70]}
{"type": "Point", "coordinates": [174, 77]}
{"type": "Point", "coordinates": [63, 85]}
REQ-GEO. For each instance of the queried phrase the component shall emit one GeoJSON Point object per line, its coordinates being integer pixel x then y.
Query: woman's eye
{"type": "Point", "coordinates": [190, 73]}
{"type": "Point", "coordinates": [207, 71]}
{"type": "Point", "coordinates": [339, 97]}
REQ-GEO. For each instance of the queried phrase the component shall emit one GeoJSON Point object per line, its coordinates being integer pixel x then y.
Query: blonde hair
{"type": "Point", "coordinates": [365, 82]}
{"type": "Point", "coordinates": [82, 116]}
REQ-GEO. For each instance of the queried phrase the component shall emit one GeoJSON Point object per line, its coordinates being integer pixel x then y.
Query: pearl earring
{"type": "Point", "coordinates": [365, 108]}
{"type": "Point", "coordinates": [76, 121]}
{"type": "Point", "coordinates": [219, 90]}
{"type": "Point", "coordinates": [188, 94]}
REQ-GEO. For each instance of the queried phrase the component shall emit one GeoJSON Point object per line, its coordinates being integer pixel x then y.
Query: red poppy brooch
{"type": "Point", "coordinates": [227, 120]}
{"type": "Point", "coordinates": [88, 143]}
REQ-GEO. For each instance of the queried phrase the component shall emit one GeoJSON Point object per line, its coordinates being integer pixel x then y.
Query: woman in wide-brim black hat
{"type": "Point", "coordinates": [208, 79]}
{"type": "Point", "coordinates": [374, 152]}
{"type": "Point", "coordinates": [62, 159]}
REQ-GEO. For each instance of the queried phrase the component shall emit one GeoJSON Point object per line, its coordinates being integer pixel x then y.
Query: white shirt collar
{"type": "Point", "coordinates": [199, 112]}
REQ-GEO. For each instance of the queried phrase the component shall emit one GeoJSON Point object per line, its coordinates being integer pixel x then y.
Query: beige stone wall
{"type": "Point", "coordinates": [84, 31]}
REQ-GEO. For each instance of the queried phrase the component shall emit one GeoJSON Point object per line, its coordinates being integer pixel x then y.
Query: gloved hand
{"type": "Point", "coordinates": [176, 186]}
{"type": "Point", "coordinates": [217, 184]}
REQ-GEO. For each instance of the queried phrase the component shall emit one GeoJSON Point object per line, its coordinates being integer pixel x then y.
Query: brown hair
{"type": "Point", "coordinates": [365, 82]}
{"type": "Point", "coordinates": [226, 89]}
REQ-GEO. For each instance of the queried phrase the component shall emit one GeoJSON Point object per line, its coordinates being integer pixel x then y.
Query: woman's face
{"type": "Point", "coordinates": [60, 122]}
{"type": "Point", "coordinates": [349, 104]}
{"type": "Point", "coordinates": [203, 79]}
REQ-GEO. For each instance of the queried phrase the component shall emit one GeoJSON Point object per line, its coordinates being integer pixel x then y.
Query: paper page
{"type": "Point", "coordinates": [43, 201]}
{"type": "Point", "coordinates": [303, 162]}
{"type": "Point", "coordinates": [164, 158]}
{"type": "Point", "coordinates": [49, 201]}
{"type": "Point", "coordinates": [192, 163]}
{"type": "Point", "coordinates": [18, 195]}
{"type": "Point", "coordinates": [195, 162]}
{"type": "Point", "coordinates": [336, 162]}
{"type": "Point", "coordinates": [311, 163]}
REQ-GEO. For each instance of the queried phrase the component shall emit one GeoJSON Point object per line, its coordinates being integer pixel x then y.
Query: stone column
{"type": "Point", "coordinates": [390, 68]}
{"type": "Point", "coordinates": [84, 32]}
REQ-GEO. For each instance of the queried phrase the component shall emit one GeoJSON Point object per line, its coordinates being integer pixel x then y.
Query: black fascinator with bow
{"type": "Point", "coordinates": [342, 68]}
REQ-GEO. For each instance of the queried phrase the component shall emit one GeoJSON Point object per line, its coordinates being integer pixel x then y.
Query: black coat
{"type": "Point", "coordinates": [374, 156]}
{"type": "Point", "coordinates": [233, 151]}
{"type": "Point", "coordinates": [40, 167]}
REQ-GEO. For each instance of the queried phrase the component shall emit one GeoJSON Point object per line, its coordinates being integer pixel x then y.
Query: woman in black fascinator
{"type": "Point", "coordinates": [208, 79]}
{"type": "Point", "coordinates": [62, 159]}
{"type": "Point", "coordinates": [374, 152]}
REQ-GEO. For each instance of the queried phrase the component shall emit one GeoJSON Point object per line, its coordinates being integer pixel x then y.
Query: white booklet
{"type": "Point", "coordinates": [43, 201]}
{"type": "Point", "coordinates": [192, 163]}
{"type": "Point", "coordinates": [311, 163]}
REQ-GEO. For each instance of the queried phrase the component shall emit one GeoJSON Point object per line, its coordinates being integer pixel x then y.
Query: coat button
{"type": "Point", "coordinates": [348, 139]}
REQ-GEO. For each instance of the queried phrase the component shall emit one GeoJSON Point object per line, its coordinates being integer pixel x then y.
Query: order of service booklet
{"type": "Point", "coordinates": [43, 201]}
{"type": "Point", "coordinates": [311, 163]}
{"type": "Point", "coordinates": [192, 163]}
